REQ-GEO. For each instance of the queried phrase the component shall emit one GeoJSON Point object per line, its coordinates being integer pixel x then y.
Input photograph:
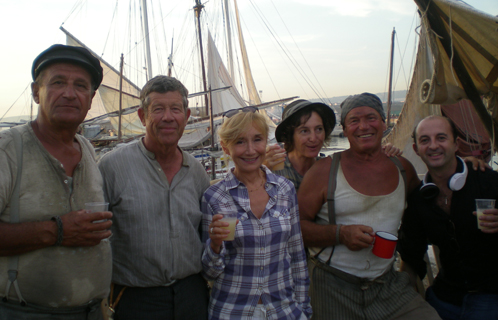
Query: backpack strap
{"type": "Point", "coordinates": [14, 218]}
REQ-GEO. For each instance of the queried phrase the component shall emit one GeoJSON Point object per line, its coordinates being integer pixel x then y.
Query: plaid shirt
{"type": "Point", "coordinates": [266, 260]}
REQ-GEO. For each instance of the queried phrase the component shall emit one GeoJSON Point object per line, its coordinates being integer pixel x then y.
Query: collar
{"type": "Point", "coordinates": [151, 155]}
{"type": "Point", "coordinates": [232, 182]}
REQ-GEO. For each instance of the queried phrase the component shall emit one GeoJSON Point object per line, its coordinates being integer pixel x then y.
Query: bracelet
{"type": "Point", "coordinates": [60, 230]}
{"type": "Point", "coordinates": [337, 233]}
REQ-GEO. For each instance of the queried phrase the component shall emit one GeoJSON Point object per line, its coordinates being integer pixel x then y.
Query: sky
{"type": "Point", "coordinates": [332, 47]}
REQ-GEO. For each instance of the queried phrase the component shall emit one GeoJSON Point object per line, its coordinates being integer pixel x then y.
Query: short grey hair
{"type": "Point", "coordinates": [162, 84]}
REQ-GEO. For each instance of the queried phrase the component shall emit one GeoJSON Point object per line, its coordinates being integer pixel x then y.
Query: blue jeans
{"type": "Point", "coordinates": [475, 306]}
{"type": "Point", "coordinates": [186, 299]}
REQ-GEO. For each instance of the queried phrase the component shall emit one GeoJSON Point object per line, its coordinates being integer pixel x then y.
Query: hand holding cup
{"type": "Point", "coordinates": [222, 228]}
{"type": "Point", "coordinates": [384, 244]}
{"type": "Point", "coordinates": [275, 156]}
{"type": "Point", "coordinates": [487, 215]}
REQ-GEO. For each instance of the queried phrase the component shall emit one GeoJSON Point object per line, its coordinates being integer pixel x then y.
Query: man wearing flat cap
{"type": "Point", "coordinates": [343, 203]}
{"type": "Point", "coordinates": [55, 262]}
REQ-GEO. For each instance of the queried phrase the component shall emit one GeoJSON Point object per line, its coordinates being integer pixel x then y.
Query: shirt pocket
{"type": "Point", "coordinates": [280, 224]}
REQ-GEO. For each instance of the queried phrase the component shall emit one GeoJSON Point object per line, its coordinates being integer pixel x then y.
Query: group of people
{"type": "Point", "coordinates": [162, 253]}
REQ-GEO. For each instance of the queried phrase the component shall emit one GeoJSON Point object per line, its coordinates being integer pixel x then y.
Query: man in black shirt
{"type": "Point", "coordinates": [442, 212]}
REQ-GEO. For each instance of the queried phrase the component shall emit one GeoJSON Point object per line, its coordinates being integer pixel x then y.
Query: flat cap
{"type": "Point", "coordinates": [62, 53]}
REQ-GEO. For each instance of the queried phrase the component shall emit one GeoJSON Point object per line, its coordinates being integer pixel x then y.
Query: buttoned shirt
{"type": "Point", "coordinates": [55, 276]}
{"type": "Point", "coordinates": [156, 238]}
{"type": "Point", "coordinates": [266, 260]}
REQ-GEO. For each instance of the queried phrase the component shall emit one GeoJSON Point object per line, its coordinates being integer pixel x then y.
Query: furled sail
{"type": "Point", "coordinates": [472, 38]}
{"type": "Point", "coordinates": [106, 100]}
{"type": "Point", "coordinates": [218, 77]}
{"type": "Point", "coordinates": [251, 87]}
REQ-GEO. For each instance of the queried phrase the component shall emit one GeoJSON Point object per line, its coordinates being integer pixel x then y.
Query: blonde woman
{"type": "Point", "coordinates": [262, 273]}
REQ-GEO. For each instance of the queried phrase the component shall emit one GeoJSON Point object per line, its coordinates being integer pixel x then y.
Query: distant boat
{"type": "Point", "coordinates": [455, 75]}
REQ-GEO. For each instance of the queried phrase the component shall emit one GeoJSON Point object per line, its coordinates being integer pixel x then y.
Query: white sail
{"type": "Point", "coordinates": [218, 77]}
{"type": "Point", "coordinates": [106, 99]}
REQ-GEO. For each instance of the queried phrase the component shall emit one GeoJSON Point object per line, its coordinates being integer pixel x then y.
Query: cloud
{"type": "Point", "coordinates": [363, 8]}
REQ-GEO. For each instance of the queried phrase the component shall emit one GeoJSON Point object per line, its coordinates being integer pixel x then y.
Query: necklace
{"type": "Point", "coordinates": [262, 182]}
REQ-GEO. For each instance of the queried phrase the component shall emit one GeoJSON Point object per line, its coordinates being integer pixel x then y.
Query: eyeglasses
{"type": "Point", "coordinates": [231, 113]}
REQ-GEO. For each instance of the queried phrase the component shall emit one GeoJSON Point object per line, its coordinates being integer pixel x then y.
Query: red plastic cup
{"type": "Point", "coordinates": [384, 244]}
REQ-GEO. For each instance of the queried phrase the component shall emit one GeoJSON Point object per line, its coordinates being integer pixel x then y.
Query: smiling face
{"type": "Point", "coordinates": [309, 137]}
{"type": "Point", "coordinates": [435, 143]}
{"type": "Point", "coordinates": [165, 120]}
{"type": "Point", "coordinates": [364, 129]}
{"type": "Point", "coordinates": [247, 151]}
{"type": "Point", "coordinates": [64, 93]}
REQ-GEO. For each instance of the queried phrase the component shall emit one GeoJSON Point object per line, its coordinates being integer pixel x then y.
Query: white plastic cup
{"type": "Point", "coordinates": [481, 205]}
{"type": "Point", "coordinates": [91, 207]}
{"type": "Point", "coordinates": [231, 218]}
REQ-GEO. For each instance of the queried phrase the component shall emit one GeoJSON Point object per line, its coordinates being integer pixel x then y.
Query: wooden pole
{"type": "Point", "coordinates": [120, 96]}
{"type": "Point", "coordinates": [389, 93]}
{"type": "Point", "coordinates": [197, 9]}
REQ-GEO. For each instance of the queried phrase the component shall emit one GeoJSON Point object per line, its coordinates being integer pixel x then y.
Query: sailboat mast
{"type": "Point", "coordinates": [147, 41]}
{"type": "Point", "coordinates": [229, 38]}
{"type": "Point", "coordinates": [389, 92]}
{"type": "Point", "coordinates": [170, 59]}
{"type": "Point", "coordinates": [120, 96]}
{"type": "Point", "coordinates": [197, 9]}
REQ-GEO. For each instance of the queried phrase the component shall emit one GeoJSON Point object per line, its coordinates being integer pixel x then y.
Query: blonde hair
{"type": "Point", "coordinates": [234, 126]}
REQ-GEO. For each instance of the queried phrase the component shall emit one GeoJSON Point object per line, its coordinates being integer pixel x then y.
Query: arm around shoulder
{"type": "Point", "coordinates": [411, 174]}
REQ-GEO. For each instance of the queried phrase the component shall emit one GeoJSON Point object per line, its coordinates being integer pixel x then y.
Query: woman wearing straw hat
{"type": "Point", "coordinates": [304, 129]}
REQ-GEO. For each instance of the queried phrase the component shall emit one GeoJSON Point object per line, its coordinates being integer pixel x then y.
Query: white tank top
{"type": "Point", "coordinates": [382, 213]}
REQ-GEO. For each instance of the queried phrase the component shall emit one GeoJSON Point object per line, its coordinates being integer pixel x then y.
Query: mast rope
{"type": "Point", "coordinates": [284, 49]}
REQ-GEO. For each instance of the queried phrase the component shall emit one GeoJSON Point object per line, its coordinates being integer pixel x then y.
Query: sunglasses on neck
{"type": "Point", "coordinates": [231, 113]}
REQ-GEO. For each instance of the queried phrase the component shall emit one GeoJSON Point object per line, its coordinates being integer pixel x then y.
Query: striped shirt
{"type": "Point", "coordinates": [266, 260]}
{"type": "Point", "coordinates": [155, 228]}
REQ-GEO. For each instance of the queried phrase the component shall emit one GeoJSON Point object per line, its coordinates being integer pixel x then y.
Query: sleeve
{"type": "Point", "coordinates": [412, 244]}
{"type": "Point", "coordinates": [105, 178]}
{"type": "Point", "coordinates": [298, 258]}
{"type": "Point", "coordinates": [8, 173]}
{"type": "Point", "coordinates": [212, 264]}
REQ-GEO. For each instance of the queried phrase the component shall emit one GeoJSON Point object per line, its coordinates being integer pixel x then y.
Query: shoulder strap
{"type": "Point", "coordinates": [14, 217]}
{"type": "Point", "coordinates": [402, 171]}
{"type": "Point", "coordinates": [334, 167]}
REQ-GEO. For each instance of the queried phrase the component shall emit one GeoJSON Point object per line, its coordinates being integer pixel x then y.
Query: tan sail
{"type": "Point", "coordinates": [436, 79]}
{"type": "Point", "coordinates": [106, 99]}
